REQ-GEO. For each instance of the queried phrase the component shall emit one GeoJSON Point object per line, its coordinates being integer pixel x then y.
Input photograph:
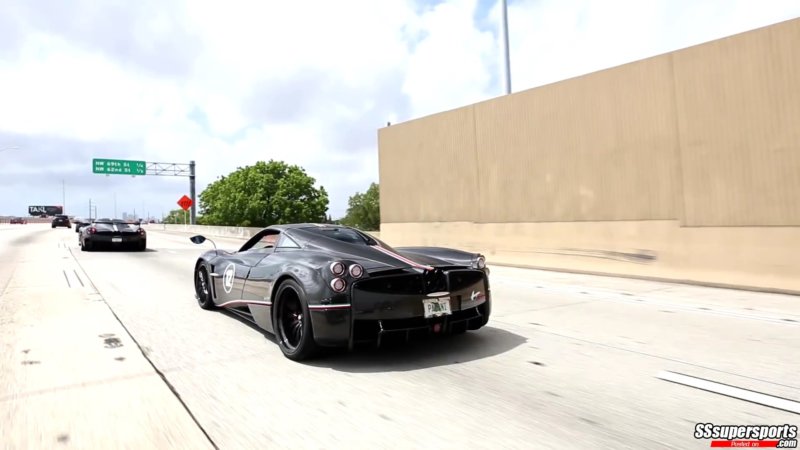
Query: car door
{"type": "Point", "coordinates": [229, 275]}
{"type": "Point", "coordinates": [260, 283]}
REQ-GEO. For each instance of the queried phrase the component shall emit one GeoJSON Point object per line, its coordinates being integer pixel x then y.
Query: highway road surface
{"type": "Point", "coordinates": [110, 350]}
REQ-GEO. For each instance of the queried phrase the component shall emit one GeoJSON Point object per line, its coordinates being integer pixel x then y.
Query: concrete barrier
{"type": "Point", "coordinates": [220, 231]}
{"type": "Point", "coordinates": [7, 219]}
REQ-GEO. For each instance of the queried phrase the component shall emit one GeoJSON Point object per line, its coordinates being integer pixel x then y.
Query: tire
{"type": "Point", "coordinates": [88, 246]}
{"type": "Point", "coordinates": [142, 246]}
{"type": "Point", "coordinates": [202, 288]}
{"type": "Point", "coordinates": [292, 322]}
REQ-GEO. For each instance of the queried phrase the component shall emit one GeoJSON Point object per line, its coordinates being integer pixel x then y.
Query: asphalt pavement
{"type": "Point", "coordinates": [110, 350]}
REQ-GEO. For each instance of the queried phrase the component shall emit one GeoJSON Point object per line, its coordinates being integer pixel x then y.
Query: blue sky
{"type": "Point", "coordinates": [175, 80]}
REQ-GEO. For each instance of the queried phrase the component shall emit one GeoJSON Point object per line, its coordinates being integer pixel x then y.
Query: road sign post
{"type": "Point", "coordinates": [192, 193]}
{"type": "Point", "coordinates": [108, 167]}
{"type": "Point", "coordinates": [185, 203]}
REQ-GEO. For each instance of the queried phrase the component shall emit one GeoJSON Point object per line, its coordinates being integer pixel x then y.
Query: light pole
{"type": "Point", "coordinates": [63, 196]}
{"type": "Point", "coordinates": [506, 51]}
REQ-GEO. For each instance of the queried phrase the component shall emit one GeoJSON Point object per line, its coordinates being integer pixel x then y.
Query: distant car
{"type": "Point", "coordinates": [60, 220]}
{"type": "Point", "coordinates": [18, 220]}
{"type": "Point", "coordinates": [80, 223]}
{"type": "Point", "coordinates": [112, 233]}
{"type": "Point", "coordinates": [333, 286]}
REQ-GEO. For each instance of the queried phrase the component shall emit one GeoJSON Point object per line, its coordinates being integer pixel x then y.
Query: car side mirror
{"type": "Point", "coordinates": [199, 239]}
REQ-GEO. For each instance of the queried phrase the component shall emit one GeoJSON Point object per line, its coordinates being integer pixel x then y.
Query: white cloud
{"type": "Point", "coordinates": [552, 40]}
{"type": "Point", "coordinates": [305, 82]}
{"type": "Point", "coordinates": [60, 90]}
{"type": "Point", "coordinates": [448, 67]}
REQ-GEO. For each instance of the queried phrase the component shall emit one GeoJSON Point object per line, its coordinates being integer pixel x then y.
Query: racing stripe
{"type": "Point", "coordinates": [244, 302]}
{"type": "Point", "coordinates": [265, 303]}
{"type": "Point", "coordinates": [401, 258]}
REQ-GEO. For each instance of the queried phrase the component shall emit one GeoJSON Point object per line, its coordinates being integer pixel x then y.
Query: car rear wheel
{"type": "Point", "coordinates": [292, 322]}
{"type": "Point", "coordinates": [202, 288]}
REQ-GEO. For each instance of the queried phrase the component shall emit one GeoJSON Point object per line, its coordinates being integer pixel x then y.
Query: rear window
{"type": "Point", "coordinates": [340, 234]}
{"type": "Point", "coordinates": [119, 223]}
{"type": "Point", "coordinates": [61, 216]}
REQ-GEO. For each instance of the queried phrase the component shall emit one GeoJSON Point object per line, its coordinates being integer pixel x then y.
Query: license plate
{"type": "Point", "coordinates": [435, 307]}
{"type": "Point", "coordinates": [116, 239]}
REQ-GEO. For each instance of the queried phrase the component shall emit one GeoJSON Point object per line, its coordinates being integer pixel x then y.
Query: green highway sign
{"type": "Point", "coordinates": [118, 167]}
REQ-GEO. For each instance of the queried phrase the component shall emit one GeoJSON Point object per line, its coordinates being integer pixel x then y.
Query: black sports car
{"type": "Point", "coordinates": [333, 286]}
{"type": "Point", "coordinates": [112, 233]}
{"type": "Point", "coordinates": [60, 220]}
{"type": "Point", "coordinates": [80, 223]}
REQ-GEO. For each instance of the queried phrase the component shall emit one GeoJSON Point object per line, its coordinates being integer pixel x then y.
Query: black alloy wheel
{"type": "Point", "coordinates": [202, 288]}
{"type": "Point", "coordinates": [292, 322]}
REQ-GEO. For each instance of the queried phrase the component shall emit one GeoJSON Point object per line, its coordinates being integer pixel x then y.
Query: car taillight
{"type": "Point", "coordinates": [141, 231]}
{"type": "Point", "coordinates": [338, 285]}
{"type": "Point", "coordinates": [338, 268]}
{"type": "Point", "coordinates": [356, 271]}
{"type": "Point", "coordinates": [92, 230]}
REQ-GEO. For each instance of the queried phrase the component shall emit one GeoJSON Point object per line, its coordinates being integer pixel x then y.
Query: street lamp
{"type": "Point", "coordinates": [506, 51]}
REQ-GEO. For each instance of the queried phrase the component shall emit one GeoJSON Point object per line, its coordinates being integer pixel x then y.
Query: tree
{"type": "Point", "coordinates": [177, 216]}
{"type": "Point", "coordinates": [267, 193]}
{"type": "Point", "coordinates": [364, 210]}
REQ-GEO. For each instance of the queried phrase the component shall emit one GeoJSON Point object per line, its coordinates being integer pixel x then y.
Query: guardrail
{"type": "Point", "coordinates": [219, 231]}
{"type": "Point", "coordinates": [7, 219]}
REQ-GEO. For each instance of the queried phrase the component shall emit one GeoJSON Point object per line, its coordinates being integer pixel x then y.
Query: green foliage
{"type": "Point", "coordinates": [177, 216]}
{"type": "Point", "coordinates": [267, 193]}
{"type": "Point", "coordinates": [364, 210]}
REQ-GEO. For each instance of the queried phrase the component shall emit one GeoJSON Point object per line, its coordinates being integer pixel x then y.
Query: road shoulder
{"type": "Point", "coordinates": [72, 375]}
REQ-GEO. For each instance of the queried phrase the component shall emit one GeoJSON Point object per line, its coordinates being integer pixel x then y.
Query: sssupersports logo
{"type": "Point", "coordinates": [781, 436]}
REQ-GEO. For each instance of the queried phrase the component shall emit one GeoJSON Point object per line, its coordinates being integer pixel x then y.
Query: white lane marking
{"type": "Point", "coordinates": [608, 295]}
{"type": "Point", "coordinates": [732, 391]}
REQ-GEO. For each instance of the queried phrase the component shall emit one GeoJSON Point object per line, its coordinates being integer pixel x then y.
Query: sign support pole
{"type": "Point", "coordinates": [192, 193]}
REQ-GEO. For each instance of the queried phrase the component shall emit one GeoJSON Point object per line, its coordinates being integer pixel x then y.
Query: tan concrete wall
{"type": "Point", "coordinates": [690, 160]}
{"type": "Point", "coordinates": [739, 115]}
{"type": "Point", "coordinates": [751, 257]}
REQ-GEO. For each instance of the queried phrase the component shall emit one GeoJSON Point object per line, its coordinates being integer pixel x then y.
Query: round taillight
{"type": "Point", "coordinates": [92, 230]}
{"type": "Point", "coordinates": [356, 271]}
{"type": "Point", "coordinates": [338, 284]}
{"type": "Point", "coordinates": [338, 269]}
